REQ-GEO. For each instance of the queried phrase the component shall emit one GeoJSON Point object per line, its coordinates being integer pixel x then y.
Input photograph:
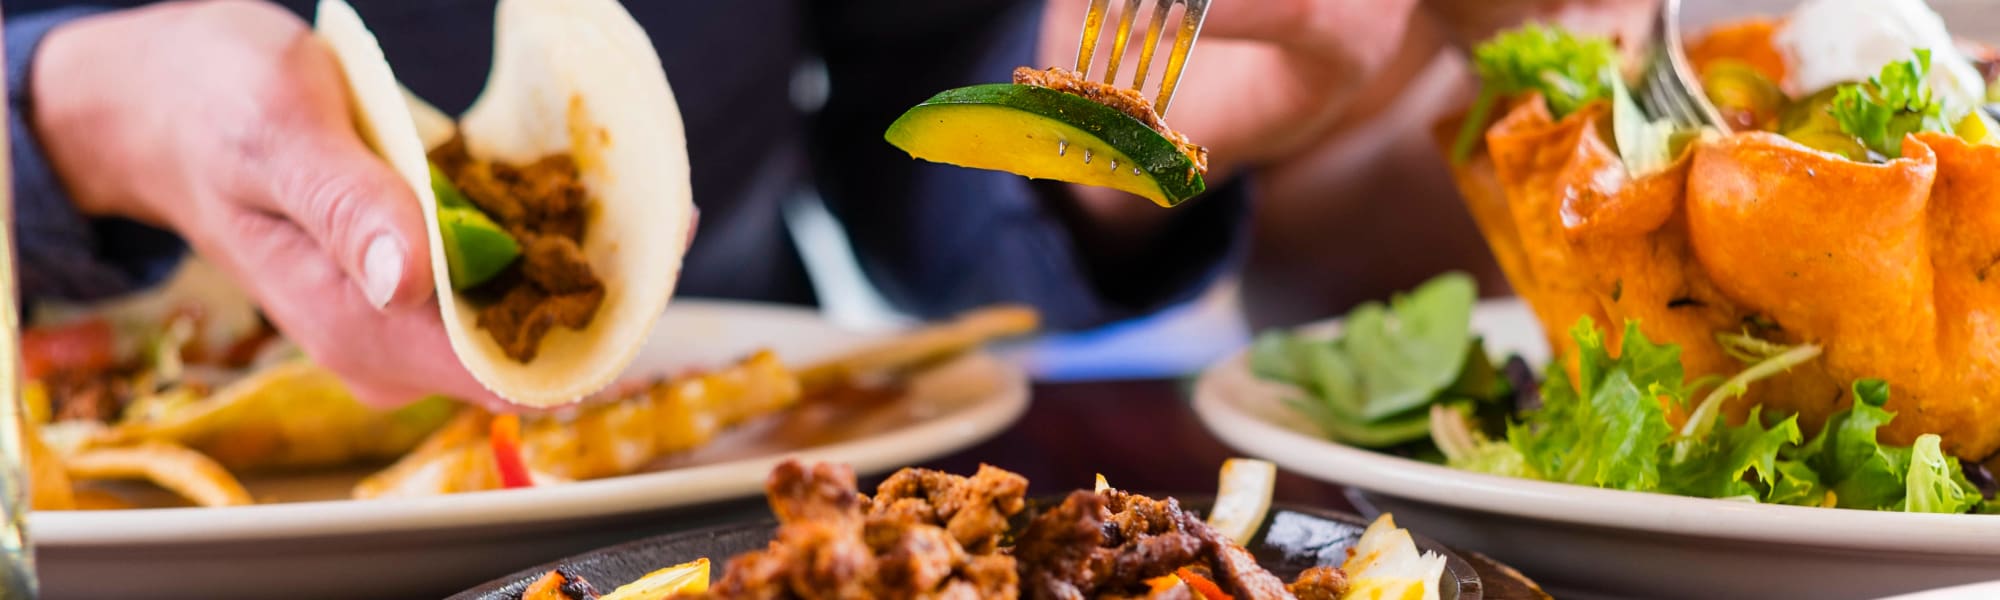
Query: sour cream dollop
{"type": "Point", "coordinates": [1829, 42]}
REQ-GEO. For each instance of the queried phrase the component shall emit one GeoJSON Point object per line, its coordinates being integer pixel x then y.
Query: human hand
{"type": "Point", "coordinates": [1267, 79]}
{"type": "Point", "coordinates": [1469, 22]}
{"type": "Point", "coordinates": [1268, 76]}
{"type": "Point", "coordinates": [228, 122]}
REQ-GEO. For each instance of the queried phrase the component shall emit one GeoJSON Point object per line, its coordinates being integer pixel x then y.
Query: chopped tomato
{"type": "Point", "coordinates": [1201, 585]}
{"type": "Point", "coordinates": [84, 345]}
{"type": "Point", "coordinates": [506, 436]}
{"type": "Point", "coordinates": [1162, 584]}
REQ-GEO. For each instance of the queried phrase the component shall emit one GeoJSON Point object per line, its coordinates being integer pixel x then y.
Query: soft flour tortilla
{"type": "Point", "coordinates": [575, 76]}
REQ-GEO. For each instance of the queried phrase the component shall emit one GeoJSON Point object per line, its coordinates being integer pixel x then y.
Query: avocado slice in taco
{"type": "Point", "coordinates": [558, 206]}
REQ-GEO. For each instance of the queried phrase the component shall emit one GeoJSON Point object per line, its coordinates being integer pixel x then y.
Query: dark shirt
{"type": "Point", "coordinates": [764, 128]}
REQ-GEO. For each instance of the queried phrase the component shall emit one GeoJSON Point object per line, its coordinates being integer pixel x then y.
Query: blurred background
{"type": "Point", "coordinates": [1367, 211]}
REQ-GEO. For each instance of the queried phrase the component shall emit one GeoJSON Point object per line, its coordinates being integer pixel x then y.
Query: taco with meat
{"type": "Point", "coordinates": [558, 205]}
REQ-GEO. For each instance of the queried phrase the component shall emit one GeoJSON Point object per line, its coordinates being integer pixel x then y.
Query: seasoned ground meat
{"type": "Point", "coordinates": [1082, 549]}
{"type": "Point", "coordinates": [1320, 583]}
{"type": "Point", "coordinates": [87, 394]}
{"type": "Point", "coordinates": [973, 510]}
{"type": "Point", "coordinates": [832, 542]}
{"type": "Point", "coordinates": [1110, 543]}
{"type": "Point", "coordinates": [1124, 100]}
{"type": "Point", "coordinates": [544, 206]}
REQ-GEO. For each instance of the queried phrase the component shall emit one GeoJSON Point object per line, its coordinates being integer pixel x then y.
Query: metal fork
{"type": "Point", "coordinates": [1668, 87]}
{"type": "Point", "coordinates": [1190, 28]}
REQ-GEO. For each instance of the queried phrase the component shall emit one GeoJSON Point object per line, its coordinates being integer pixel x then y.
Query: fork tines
{"type": "Point", "coordinates": [1667, 87]}
{"type": "Point", "coordinates": [1194, 11]}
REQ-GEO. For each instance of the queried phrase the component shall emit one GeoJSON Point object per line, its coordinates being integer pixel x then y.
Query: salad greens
{"type": "Point", "coordinates": [1416, 351]}
{"type": "Point", "coordinates": [1892, 104]}
{"type": "Point", "coordinates": [1861, 473]}
{"type": "Point", "coordinates": [1605, 424]}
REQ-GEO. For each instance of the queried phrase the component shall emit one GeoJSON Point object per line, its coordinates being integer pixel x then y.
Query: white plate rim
{"type": "Point", "coordinates": [1218, 393]}
{"type": "Point", "coordinates": [980, 420]}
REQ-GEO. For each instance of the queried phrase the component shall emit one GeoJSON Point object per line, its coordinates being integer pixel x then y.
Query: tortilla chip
{"type": "Point", "coordinates": [291, 416]}
{"type": "Point", "coordinates": [94, 499]}
{"type": "Point", "coordinates": [48, 483]}
{"type": "Point", "coordinates": [179, 470]}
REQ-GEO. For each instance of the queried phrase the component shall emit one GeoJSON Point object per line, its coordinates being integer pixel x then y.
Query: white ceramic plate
{"type": "Point", "coordinates": [1972, 591]}
{"type": "Point", "coordinates": [319, 545]}
{"type": "Point", "coordinates": [1589, 542]}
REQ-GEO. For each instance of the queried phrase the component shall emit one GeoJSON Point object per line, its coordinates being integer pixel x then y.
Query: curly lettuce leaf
{"type": "Point", "coordinates": [1739, 462]}
{"type": "Point", "coordinates": [1495, 457]}
{"type": "Point", "coordinates": [1935, 483]}
{"type": "Point", "coordinates": [1892, 104]}
{"type": "Point", "coordinates": [1569, 71]}
{"type": "Point", "coordinates": [1797, 484]}
{"type": "Point", "coordinates": [1859, 471]}
{"type": "Point", "coordinates": [1466, 447]}
{"type": "Point", "coordinates": [1608, 429]}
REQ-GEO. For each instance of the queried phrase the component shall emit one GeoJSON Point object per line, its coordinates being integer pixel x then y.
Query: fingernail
{"type": "Point", "coordinates": [382, 268]}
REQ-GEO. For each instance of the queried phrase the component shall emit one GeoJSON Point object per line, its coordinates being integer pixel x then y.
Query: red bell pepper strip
{"type": "Point", "coordinates": [1201, 585]}
{"type": "Point", "coordinates": [506, 437]}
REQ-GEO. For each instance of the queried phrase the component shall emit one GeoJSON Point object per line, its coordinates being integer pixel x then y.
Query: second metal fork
{"type": "Point", "coordinates": [1668, 87]}
{"type": "Point", "coordinates": [1190, 28]}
